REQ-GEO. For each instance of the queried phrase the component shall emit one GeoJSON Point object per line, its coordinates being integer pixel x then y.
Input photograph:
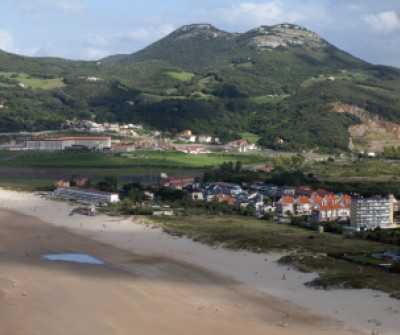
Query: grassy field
{"type": "Point", "coordinates": [25, 184]}
{"type": "Point", "coordinates": [141, 159]}
{"type": "Point", "coordinates": [182, 76]}
{"type": "Point", "coordinates": [158, 98]}
{"type": "Point", "coordinates": [263, 99]}
{"type": "Point", "coordinates": [250, 137]}
{"type": "Point", "coordinates": [241, 232]}
{"type": "Point", "coordinates": [6, 154]}
{"type": "Point", "coordinates": [308, 248]}
{"type": "Point", "coordinates": [28, 81]}
{"type": "Point", "coordinates": [6, 85]}
{"type": "Point", "coordinates": [246, 65]}
{"type": "Point", "coordinates": [348, 75]}
{"type": "Point", "coordinates": [367, 169]}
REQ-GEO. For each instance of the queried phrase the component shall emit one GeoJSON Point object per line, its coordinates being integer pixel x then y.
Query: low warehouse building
{"type": "Point", "coordinates": [85, 195]}
{"type": "Point", "coordinates": [69, 142]}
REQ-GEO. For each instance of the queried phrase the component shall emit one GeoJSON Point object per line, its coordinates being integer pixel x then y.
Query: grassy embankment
{"type": "Point", "coordinates": [307, 248]}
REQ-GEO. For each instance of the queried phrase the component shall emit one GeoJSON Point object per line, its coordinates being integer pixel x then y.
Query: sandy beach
{"type": "Point", "coordinates": [153, 283]}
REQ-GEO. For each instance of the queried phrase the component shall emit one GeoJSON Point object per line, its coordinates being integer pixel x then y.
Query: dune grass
{"type": "Point", "coordinates": [308, 250]}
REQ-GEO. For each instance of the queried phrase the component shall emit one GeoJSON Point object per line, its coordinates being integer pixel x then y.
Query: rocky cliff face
{"type": "Point", "coordinates": [370, 123]}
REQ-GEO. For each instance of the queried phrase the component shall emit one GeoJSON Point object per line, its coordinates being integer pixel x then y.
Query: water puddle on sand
{"type": "Point", "coordinates": [78, 258]}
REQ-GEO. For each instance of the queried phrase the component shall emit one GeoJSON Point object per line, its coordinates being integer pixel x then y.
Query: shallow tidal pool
{"type": "Point", "coordinates": [74, 257]}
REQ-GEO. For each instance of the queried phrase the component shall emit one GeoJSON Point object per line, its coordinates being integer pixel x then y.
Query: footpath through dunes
{"type": "Point", "coordinates": [129, 294]}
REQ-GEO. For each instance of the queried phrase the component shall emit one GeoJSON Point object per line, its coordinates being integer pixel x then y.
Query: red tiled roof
{"type": "Point", "coordinates": [346, 198]}
{"type": "Point", "coordinates": [330, 197]}
{"type": "Point", "coordinates": [336, 206]}
{"type": "Point", "coordinates": [323, 208]}
{"type": "Point", "coordinates": [317, 199]}
{"type": "Point", "coordinates": [304, 200]}
{"type": "Point", "coordinates": [287, 200]}
{"type": "Point", "coordinates": [321, 192]}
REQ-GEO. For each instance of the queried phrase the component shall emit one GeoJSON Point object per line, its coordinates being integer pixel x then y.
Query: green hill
{"type": "Point", "coordinates": [276, 82]}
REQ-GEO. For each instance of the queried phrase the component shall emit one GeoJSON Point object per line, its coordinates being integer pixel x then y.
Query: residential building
{"type": "Point", "coordinates": [285, 205]}
{"type": "Point", "coordinates": [331, 207]}
{"type": "Point", "coordinates": [224, 198]}
{"type": "Point", "coordinates": [303, 206]}
{"type": "Point", "coordinates": [204, 138]}
{"type": "Point", "coordinates": [372, 212]}
{"type": "Point", "coordinates": [61, 183]}
{"type": "Point", "coordinates": [177, 182]}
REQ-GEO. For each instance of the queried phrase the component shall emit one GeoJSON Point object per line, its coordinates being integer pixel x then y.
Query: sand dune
{"type": "Point", "coordinates": [153, 283]}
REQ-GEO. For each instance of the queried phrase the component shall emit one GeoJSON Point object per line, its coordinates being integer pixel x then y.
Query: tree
{"type": "Point", "coordinates": [109, 184]}
{"type": "Point", "coordinates": [238, 166]}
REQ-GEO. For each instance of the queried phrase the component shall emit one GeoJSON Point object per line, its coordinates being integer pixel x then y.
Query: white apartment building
{"type": "Point", "coordinates": [372, 212]}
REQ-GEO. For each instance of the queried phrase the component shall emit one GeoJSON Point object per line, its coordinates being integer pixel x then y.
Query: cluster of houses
{"type": "Point", "coordinates": [243, 146]}
{"type": "Point", "coordinates": [283, 202]}
{"type": "Point", "coordinates": [187, 136]}
{"type": "Point", "coordinates": [97, 128]}
{"type": "Point", "coordinates": [286, 202]}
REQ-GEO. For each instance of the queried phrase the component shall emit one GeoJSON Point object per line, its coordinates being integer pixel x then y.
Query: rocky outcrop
{"type": "Point", "coordinates": [285, 36]}
{"type": "Point", "coordinates": [264, 37]}
{"type": "Point", "coordinates": [205, 31]}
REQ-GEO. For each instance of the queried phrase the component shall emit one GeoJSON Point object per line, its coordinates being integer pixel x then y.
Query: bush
{"type": "Point", "coordinates": [395, 267]}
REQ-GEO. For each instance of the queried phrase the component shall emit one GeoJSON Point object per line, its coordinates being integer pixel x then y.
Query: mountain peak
{"type": "Point", "coordinates": [284, 36]}
{"type": "Point", "coordinates": [203, 30]}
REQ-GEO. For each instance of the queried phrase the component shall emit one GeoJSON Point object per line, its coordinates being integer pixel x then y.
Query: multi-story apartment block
{"type": "Point", "coordinates": [372, 212]}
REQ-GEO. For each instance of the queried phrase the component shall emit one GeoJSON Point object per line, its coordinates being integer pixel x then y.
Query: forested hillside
{"type": "Point", "coordinates": [277, 82]}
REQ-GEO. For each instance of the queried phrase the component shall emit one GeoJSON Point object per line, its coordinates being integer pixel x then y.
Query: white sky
{"type": "Point", "coordinates": [92, 29]}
